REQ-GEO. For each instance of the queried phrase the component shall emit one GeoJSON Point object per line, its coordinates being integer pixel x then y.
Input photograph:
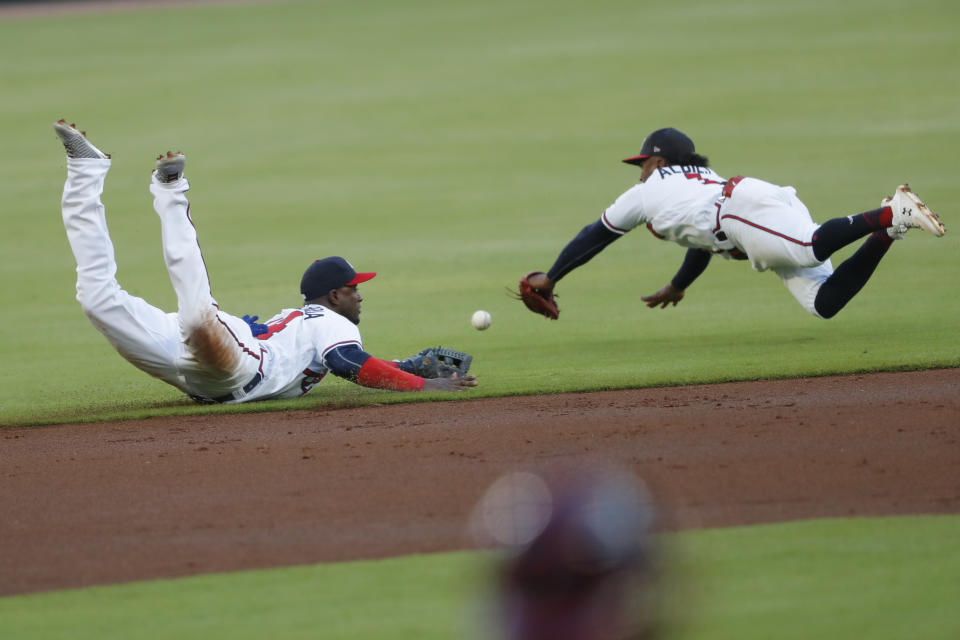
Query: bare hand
{"type": "Point", "coordinates": [452, 383]}
{"type": "Point", "coordinates": [663, 297]}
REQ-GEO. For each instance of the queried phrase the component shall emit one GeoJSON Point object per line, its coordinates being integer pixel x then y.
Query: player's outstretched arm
{"type": "Point", "coordinates": [592, 239]}
{"type": "Point", "coordinates": [356, 365]}
{"type": "Point", "coordinates": [536, 288]}
{"type": "Point", "coordinates": [694, 263]}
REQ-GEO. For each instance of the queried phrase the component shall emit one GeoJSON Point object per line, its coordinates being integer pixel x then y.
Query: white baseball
{"type": "Point", "coordinates": [481, 320]}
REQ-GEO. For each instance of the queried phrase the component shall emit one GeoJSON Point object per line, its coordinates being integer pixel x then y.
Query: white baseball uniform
{"type": "Point", "coordinates": [685, 204]}
{"type": "Point", "coordinates": [206, 353]}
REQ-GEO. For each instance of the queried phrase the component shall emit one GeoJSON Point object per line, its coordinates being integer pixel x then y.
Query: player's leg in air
{"type": "Point", "coordinates": [891, 221]}
{"type": "Point", "coordinates": [225, 355]}
{"type": "Point", "coordinates": [141, 333]}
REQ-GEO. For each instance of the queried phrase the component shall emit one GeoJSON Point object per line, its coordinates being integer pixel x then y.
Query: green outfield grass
{"type": "Point", "coordinates": [452, 147]}
{"type": "Point", "coordinates": [859, 578]}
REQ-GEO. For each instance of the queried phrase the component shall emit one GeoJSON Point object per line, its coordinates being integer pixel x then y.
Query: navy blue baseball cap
{"type": "Point", "coordinates": [668, 143]}
{"type": "Point", "coordinates": [327, 274]}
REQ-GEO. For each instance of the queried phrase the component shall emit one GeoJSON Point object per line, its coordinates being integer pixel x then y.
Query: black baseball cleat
{"type": "Point", "coordinates": [170, 166]}
{"type": "Point", "coordinates": [76, 143]}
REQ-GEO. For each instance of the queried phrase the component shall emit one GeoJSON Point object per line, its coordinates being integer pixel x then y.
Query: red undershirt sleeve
{"type": "Point", "coordinates": [382, 374]}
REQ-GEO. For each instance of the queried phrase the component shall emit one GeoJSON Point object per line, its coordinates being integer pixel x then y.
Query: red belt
{"type": "Point", "coordinates": [727, 191]}
{"type": "Point", "coordinates": [729, 186]}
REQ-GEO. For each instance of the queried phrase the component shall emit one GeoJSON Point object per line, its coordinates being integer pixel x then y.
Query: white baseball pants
{"type": "Point", "coordinates": [199, 350]}
{"type": "Point", "coordinates": [774, 228]}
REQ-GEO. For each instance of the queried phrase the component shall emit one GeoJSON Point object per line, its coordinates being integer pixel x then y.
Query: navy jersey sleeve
{"type": "Point", "coordinates": [346, 360]}
{"type": "Point", "coordinates": [591, 240]}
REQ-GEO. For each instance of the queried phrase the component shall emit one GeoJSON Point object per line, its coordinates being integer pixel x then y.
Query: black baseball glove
{"type": "Point", "coordinates": [437, 362]}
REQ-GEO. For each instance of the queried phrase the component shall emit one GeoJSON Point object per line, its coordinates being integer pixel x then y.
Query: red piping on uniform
{"type": "Point", "coordinates": [237, 340]}
{"type": "Point", "coordinates": [337, 344]}
{"type": "Point", "coordinates": [607, 224]}
{"type": "Point", "coordinates": [770, 231]}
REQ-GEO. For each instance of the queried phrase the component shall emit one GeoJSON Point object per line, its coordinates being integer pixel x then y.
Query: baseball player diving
{"type": "Point", "coordinates": [680, 199]}
{"type": "Point", "coordinates": [210, 355]}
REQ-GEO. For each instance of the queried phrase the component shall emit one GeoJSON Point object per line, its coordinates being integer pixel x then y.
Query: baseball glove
{"type": "Point", "coordinates": [438, 362]}
{"type": "Point", "coordinates": [540, 301]}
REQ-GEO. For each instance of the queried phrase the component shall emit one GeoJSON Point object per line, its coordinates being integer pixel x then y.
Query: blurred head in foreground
{"type": "Point", "coordinates": [578, 559]}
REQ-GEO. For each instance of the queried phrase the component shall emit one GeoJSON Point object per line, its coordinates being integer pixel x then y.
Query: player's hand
{"type": "Point", "coordinates": [665, 296]}
{"type": "Point", "coordinates": [454, 383]}
{"type": "Point", "coordinates": [540, 281]}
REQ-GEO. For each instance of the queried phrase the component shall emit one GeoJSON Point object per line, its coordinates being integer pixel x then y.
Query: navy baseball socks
{"type": "Point", "coordinates": [897, 214]}
{"type": "Point", "coordinates": [851, 275]}
{"type": "Point", "coordinates": [839, 232]}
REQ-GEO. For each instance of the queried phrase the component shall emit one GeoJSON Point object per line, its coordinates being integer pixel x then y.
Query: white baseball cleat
{"type": "Point", "coordinates": [897, 231]}
{"type": "Point", "coordinates": [76, 143]}
{"type": "Point", "coordinates": [909, 211]}
{"type": "Point", "coordinates": [170, 166]}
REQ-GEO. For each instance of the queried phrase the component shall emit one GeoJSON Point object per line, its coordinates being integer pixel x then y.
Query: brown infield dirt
{"type": "Point", "coordinates": [102, 503]}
